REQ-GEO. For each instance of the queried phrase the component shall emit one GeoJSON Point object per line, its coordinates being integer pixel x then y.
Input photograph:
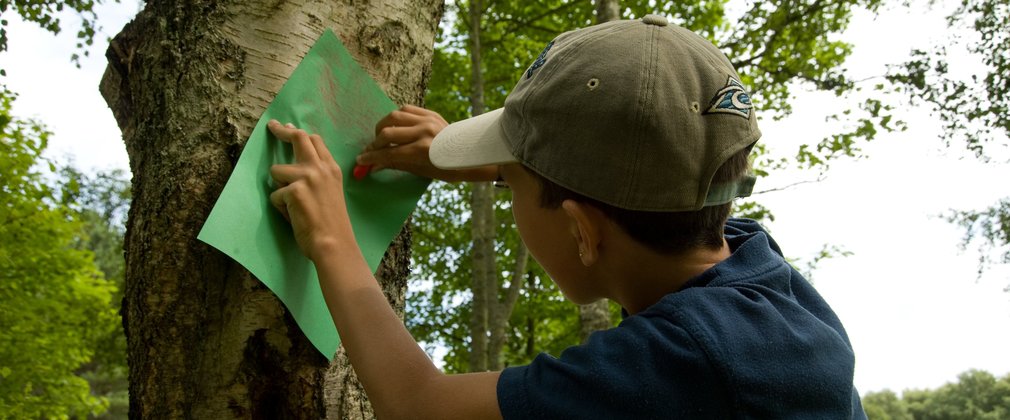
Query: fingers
{"type": "Point", "coordinates": [305, 146]}
{"type": "Point", "coordinates": [408, 115]}
{"type": "Point", "coordinates": [391, 129]}
{"type": "Point", "coordinates": [406, 157]}
{"type": "Point", "coordinates": [320, 146]}
{"type": "Point", "coordinates": [277, 200]}
{"type": "Point", "coordinates": [400, 146]}
{"type": "Point", "coordinates": [401, 135]}
{"type": "Point", "coordinates": [286, 174]}
{"type": "Point", "coordinates": [421, 111]}
{"type": "Point", "coordinates": [400, 117]}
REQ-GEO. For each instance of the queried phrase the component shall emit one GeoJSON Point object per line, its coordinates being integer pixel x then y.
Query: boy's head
{"type": "Point", "coordinates": [643, 119]}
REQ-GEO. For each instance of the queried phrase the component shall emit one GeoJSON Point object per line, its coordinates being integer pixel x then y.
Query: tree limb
{"type": "Point", "coordinates": [820, 178]}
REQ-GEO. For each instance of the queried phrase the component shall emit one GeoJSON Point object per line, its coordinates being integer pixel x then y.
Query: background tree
{"type": "Point", "coordinates": [975, 395]}
{"type": "Point", "coordinates": [186, 82]}
{"type": "Point", "coordinates": [885, 405]}
{"type": "Point", "coordinates": [101, 201]}
{"type": "Point", "coordinates": [54, 303]}
{"type": "Point", "coordinates": [94, 207]}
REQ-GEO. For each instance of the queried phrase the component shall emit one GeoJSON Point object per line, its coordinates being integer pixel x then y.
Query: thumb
{"type": "Point", "coordinates": [387, 157]}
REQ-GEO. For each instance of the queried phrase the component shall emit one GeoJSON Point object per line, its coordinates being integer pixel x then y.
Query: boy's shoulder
{"type": "Point", "coordinates": [753, 301]}
{"type": "Point", "coordinates": [731, 342]}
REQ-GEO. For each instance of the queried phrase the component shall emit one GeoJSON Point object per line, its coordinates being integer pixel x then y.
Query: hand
{"type": "Point", "coordinates": [402, 140]}
{"type": "Point", "coordinates": [310, 193]}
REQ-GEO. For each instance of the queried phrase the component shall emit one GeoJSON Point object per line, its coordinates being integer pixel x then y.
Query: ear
{"type": "Point", "coordinates": [585, 226]}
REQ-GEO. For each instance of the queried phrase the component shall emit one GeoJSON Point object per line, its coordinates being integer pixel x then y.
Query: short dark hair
{"type": "Point", "coordinates": [665, 232]}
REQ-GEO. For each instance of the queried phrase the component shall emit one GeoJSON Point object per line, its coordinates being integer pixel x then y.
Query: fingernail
{"type": "Point", "coordinates": [289, 125]}
{"type": "Point", "coordinates": [273, 122]}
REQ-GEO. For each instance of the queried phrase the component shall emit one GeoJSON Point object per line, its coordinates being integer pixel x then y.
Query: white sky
{"type": "Point", "coordinates": [908, 297]}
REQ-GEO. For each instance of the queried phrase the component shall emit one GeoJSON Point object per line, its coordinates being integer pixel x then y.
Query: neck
{"type": "Point", "coordinates": [642, 277]}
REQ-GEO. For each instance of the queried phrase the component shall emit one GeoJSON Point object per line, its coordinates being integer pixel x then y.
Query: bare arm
{"type": "Point", "coordinates": [401, 381]}
{"type": "Point", "coordinates": [398, 376]}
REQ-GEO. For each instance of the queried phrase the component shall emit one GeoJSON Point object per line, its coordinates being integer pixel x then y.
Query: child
{"type": "Point", "coordinates": [623, 144]}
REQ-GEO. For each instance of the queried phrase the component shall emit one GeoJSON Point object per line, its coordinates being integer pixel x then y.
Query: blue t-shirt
{"type": "Point", "coordinates": [748, 338]}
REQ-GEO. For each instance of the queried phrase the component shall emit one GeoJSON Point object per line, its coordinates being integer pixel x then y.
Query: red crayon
{"type": "Point", "coordinates": [361, 171]}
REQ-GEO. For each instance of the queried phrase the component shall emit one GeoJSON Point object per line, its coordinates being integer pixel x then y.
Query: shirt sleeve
{"type": "Point", "coordinates": [645, 368]}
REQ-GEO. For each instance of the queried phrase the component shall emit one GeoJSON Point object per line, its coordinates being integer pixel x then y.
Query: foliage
{"type": "Point", "coordinates": [885, 405]}
{"type": "Point", "coordinates": [974, 111]}
{"type": "Point", "coordinates": [777, 43]}
{"type": "Point", "coordinates": [976, 395]}
{"type": "Point", "coordinates": [808, 267]}
{"type": "Point", "coordinates": [54, 303]}
{"type": "Point", "coordinates": [45, 13]}
{"type": "Point", "coordinates": [990, 228]}
{"type": "Point", "coordinates": [100, 201]}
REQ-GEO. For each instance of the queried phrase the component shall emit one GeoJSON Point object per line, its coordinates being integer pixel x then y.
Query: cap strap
{"type": "Point", "coordinates": [726, 192]}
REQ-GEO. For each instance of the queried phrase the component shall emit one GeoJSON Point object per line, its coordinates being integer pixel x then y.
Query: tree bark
{"type": "Point", "coordinates": [187, 81]}
{"type": "Point", "coordinates": [596, 316]}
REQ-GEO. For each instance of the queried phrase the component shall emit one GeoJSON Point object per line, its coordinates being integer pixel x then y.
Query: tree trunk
{"type": "Point", "coordinates": [483, 286]}
{"type": "Point", "coordinates": [187, 81]}
{"type": "Point", "coordinates": [531, 326]}
{"type": "Point", "coordinates": [593, 317]}
{"type": "Point", "coordinates": [607, 10]}
{"type": "Point", "coordinates": [596, 316]}
{"type": "Point", "coordinates": [482, 203]}
{"type": "Point", "coordinates": [502, 310]}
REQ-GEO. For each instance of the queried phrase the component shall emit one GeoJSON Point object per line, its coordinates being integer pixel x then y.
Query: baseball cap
{"type": "Point", "coordinates": [638, 114]}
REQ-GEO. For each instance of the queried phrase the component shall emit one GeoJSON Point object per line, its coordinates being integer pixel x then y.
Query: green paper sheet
{"type": "Point", "coordinates": [330, 95]}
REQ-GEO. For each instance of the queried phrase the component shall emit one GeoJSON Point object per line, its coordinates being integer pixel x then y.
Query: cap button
{"type": "Point", "coordinates": [655, 20]}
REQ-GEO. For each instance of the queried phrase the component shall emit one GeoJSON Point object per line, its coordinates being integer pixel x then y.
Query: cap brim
{"type": "Point", "coordinates": [477, 141]}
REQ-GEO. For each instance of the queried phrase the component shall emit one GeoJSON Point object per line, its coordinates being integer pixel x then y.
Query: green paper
{"type": "Point", "coordinates": [330, 95]}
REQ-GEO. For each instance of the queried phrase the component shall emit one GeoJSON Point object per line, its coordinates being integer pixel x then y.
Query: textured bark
{"type": "Point", "coordinates": [596, 316]}
{"type": "Point", "coordinates": [187, 81]}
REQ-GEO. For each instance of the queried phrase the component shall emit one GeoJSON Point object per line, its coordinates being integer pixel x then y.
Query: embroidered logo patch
{"type": "Point", "coordinates": [540, 60]}
{"type": "Point", "coordinates": [731, 99]}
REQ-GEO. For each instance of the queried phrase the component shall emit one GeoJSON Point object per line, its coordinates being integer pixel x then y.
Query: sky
{"type": "Point", "coordinates": [915, 310]}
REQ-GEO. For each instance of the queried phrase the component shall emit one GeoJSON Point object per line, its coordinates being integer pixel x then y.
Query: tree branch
{"type": "Point", "coordinates": [820, 178]}
{"type": "Point", "coordinates": [790, 19]}
{"type": "Point", "coordinates": [528, 22]}
{"type": "Point", "coordinates": [512, 294]}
